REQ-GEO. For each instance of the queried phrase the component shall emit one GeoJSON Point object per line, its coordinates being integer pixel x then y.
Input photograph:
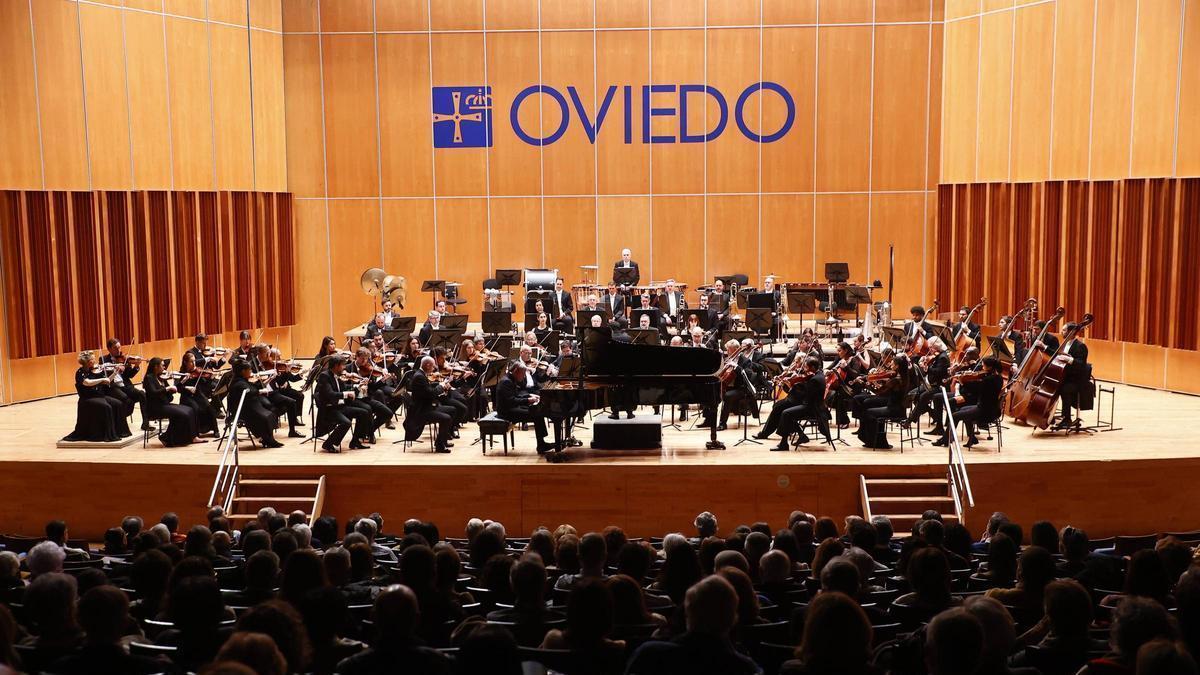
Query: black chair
{"type": "Point", "coordinates": [560, 660]}
{"type": "Point", "coordinates": [1126, 546]}
{"type": "Point", "coordinates": [530, 634]}
{"type": "Point", "coordinates": [36, 659]}
{"type": "Point", "coordinates": [144, 649]}
{"type": "Point", "coordinates": [152, 431]}
{"type": "Point", "coordinates": [770, 656]}
{"type": "Point", "coordinates": [1054, 661]}
{"type": "Point", "coordinates": [777, 632]}
{"type": "Point", "coordinates": [909, 433]}
{"type": "Point", "coordinates": [492, 425]}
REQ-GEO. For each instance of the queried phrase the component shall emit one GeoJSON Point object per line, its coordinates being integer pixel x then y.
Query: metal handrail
{"type": "Point", "coordinates": [956, 466]}
{"type": "Point", "coordinates": [227, 470]}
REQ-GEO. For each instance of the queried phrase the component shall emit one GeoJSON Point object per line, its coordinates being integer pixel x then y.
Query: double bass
{"type": "Point", "coordinates": [962, 339]}
{"type": "Point", "coordinates": [1035, 387]}
{"type": "Point", "coordinates": [918, 346]}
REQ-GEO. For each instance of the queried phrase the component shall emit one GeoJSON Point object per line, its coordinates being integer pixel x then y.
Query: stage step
{"type": "Point", "coordinates": [899, 498]}
{"type": "Point", "coordinates": [279, 481]}
{"type": "Point", "coordinates": [252, 492]}
{"type": "Point", "coordinates": [906, 487]}
{"type": "Point", "coordinates": [299, 500]}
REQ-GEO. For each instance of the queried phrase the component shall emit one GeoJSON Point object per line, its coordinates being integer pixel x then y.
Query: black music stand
{"type": "Point", "coordinates": [570, 366]}
{"type": "Point", "coordinates": [1001, 349]}
{"type": "Point", "coordinates": [407, 323]}
{"type": "Point", "coordinates": [837, 272]}
{"type": "Point", "coordinates": [445, 338]}
{"type": "Point", "coordinates": [635, 316]}
{"type": "Point", "coordinates": [502, 344]}
{"type": "Point", "coordinates": [433, 286]}
{"type": "Point", "coordinates": [550, 342]}
{"type": "Point", "coordinates": [394, 337]}
{"type": "Point", "coordinates": [759, 319]}
{"type": "Point", "coordinates": [456, 322]}
{"type": "Point", "coordinates": [583, 318]}
{"type": "Point", "coordinates": [738, 335]}
{"type": "Point", "coordinates": [623, 278]}
{"type": "Point", "coordinates": [801, 302]}
{"type": "Point", "coordinates": [943, 332]}
{"type": "Point", "coordinates": [893, 336]}
{"type": "Point", "coordinates": [643, 336]}
{"type": "Point", "coordinates": [508, 277]}
{"type": "Point", "coordinates": [497, 322]}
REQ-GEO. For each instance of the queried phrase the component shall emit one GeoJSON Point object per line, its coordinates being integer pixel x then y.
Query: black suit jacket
{"type": "Point", "coordinates": [972, 330]}
{"type": "Point", "coordinates": [637, 273]}
{"type": "Point", "coordinates": [425, 332]}
{"type": "Point", "coordinates": [939, 369]}
{"type": "Point", "coordinates": [373, 330]}
{"type": "Point", "coordinates": [813, 393]}
{"type": "Point", "coordinates": [329, 391]}
{"type": "Point", "coordinates": [606, 303]}
{"type": "Point", "coordinates": [156, 395]}
{"type": "Point", "coordinates": [1051, 341]}
{"type": "Point", "coordinates": [127, 374]}
{"type": "Point", "coordinates": [511, 396]}
{"type": "Point", "coordinates": [424, 393]}
{"type": "Point", "coordinates": [926, 329]}
{"type": "Point", "coordinates": [1077, 371]}
{"type": "Point", "coordinates": [560, 303]}
{"type": "Point", "coordinates": [665, 305]}
{"type": "Point", "coordinates": [985, 393]}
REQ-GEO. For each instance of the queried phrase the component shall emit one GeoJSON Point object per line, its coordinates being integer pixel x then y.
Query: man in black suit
{"type": "Point", "coordinates": [333, 415]}
{"type": "Point", "coordinates": [426, 406]}
{"type": "Point", "coordinates": [721, 301]}
{"type": "Point", "coordinates": [517, 402]}
{"type": "Point", "coordinates": [613, 302]}
{"type": "Point", "coordinates": [562, 308]}
{"type": "Point", "coordinates": [377, 325]}
{"type": "Point", "coordinates": [1075, 376]}
{"type": "Point", "coordinates": [671, 303]}
{"type": "Point", "coordinates": [972, 328]}
{"type": "Point", "coordinates": [978, 401]}
{"type": "Point", "coordinates": [799, 397]}
{"type": "Point", "coordinates": [433, 322]}
{"type": "Point", "coordinates": [937, 371]}
{"type": "Point", "coordinates": [918, 321]}
{"type": "Point", "coordinates": [626, 263]}
{"type": "Point", "coordinates": [1018, 341]}
{"type": "Point", "coordinates": [1049, 341]}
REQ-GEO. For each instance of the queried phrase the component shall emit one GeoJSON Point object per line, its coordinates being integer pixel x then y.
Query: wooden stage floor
{"type": "Point", "coordinates": [1133, 471]}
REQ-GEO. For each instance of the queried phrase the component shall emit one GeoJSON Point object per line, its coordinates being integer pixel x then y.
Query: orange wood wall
{"type": "Point", "coordinates": [855, 173]}
{"type": "Point", "coordinates": [1081, 90]}
{"type": "Point", "coordinates": [186, 95]}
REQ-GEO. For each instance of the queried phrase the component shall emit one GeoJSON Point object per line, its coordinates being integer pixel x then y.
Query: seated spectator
{"type": "Point", "coordinates": [170, 521]}
{"type": "Point", "coordinates": [629, 603]}
{"type": "Point", "coordinates": [132, 525]}
{"type": "Point", "coordinates": [706, 526]}
{"type": "Point", "coordinates": [1145, 577]}
{"type": "Point", "coordinates": [10, 571]}
{"type": "Point", "coordinates": [706, 648]}
{"type": "Point", "coordinates": [755, 546]}
{"type": "Point", "coordinates": [485, 545]}
{"type": "Point", "coordinates": [867, 569]}
{"type": "Point", "coordinates": [542, 543]}
{"type": "Point", "coordinates": [284, 544]}
{"type": "Point", "coordinates": [369, 529]}
{"type": "Point", "coordinates": [709, 549]}
{"type": "Point", "coordinates": [325, 621]}
{"type": "Point", "coordinates": [933, 533]}
{"type": "Point", "coordinates": [593, 555]}
{"type": "Point", "coordinates": [198, 542]}
{"type": "Point", "coordinates": [837, 639]}
{"type": "Point", "coordinates": [824, 529]}
{"type": "Point", "coordinates": [828, 549]}
{"type": "Point", "coordinates": [89, 578]}
{"type": "Point", "coordinates": [488, 650]}
{"type": "Point", "coordinates": [115, 543]}
{"type": "Point", "coordinates": [787, 542]}
{"type": "Point", "coordinates": [806, 548]}
{"type": "Point", "coordinates": [997, 519]}
{"type": "Point", "coordinates": [1135, 621]}
{"type": "Point", "coordinates": [304, 572]}
{"type": "Point", "coordinates": [958, 541]}
{"type": "Point", "coordinates": [223, 545]}
{"type": "Point", "coordinates": [733, 559]}
{"type": "Point", "coordinates": [1035, 570]}
{"type": "Point", "coordinates": [999, 636]}
{"type": "Point", "coordinates": [1163, 657]}
{"type": "Point", "coordinates": [1043, 534]}
{"type": "Point", "coordinates": [589, 625]}
{"type": "Point", "coordinates": [254, 650]}
{"type": "Point", "coordinates": [953, 642]}
{"type": "Point", "coordinates": [104, 616]}
{"type": "Point", "coordinates": [449, 567]}
{"type": "Point", "coordinates": [614, 539]}
{"type": "Point", "coordinates": [262, 578]}
{"type": "Point", "coordinates": [254, 541]}
{"type": "Point", "coordinates": [10, 664]}
{"type": "Point", "coordinates": [634, 560]}
{"type": "Point", "coordinates": [324, 532]}
{"type": "Point", "coordinates": [529, 611]}
{"type": "Point", "coordinates": [680, 570]}
{"type": "Point", "coordinates": [44, 558]}
{"type": "Point", "coordinates": [281, 622]}
{"type": "Point", "coordinates": [929, 577]}
{"type": "Point", "coordinates": [1075, 548]}
{"type": "Point", "coordinates": [418, 572]}
{"type": "Point", "coordinates": [149, 575]}
{"type": "Point", "coordinates": [1187, 603]}
{"type": "Point", "coordinates": [566, 554]}
{"type": "Point", "coordinates": [495, 577]}
{"type": "Point", "coordinates": [50, 609]}
{"type": "Point", "coordinates": [1176, 557]}
{"type": "Point", "coordinates": [748, 606]}
{"type": "Point", "coordinates": [56, 531]}
{"type": "Point", "coordinates": [1001, 562]}
{"type": "Point", "coordinates": [397, 647]}
{"type": "Point", "coordinates": [1062, 634]}
{"type": "Point", "coordinates": [196, 609]}
{"type": "Point", "coordinates": [775, 577]}
{"type": "Point", "coordinates": [883, 551]}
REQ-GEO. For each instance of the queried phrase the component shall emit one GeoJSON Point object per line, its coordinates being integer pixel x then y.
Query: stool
{"type": "Point", "coordinates": [157, 431]}
{"type": "Point", "coordinates": [492, 425]}
{"type": "Point", "coordinates": [240, 425]}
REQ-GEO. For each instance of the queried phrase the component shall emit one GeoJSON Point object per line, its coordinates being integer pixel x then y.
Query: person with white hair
{"type": "Point", "coordinates": [303, 535]}
{"type": "Point", "coordinates": [431, 324]}
{"type": "Point", "coordinates": [367, 528]}
{"type": "Point", "coordinates": [630, 278]}
{"type": "Point", "coordinates": [426, 407]}
{"type": "Point", "coordinates": [936, 364]}
{"type": "Point", "coordinates": [706, 526]}
{"type": "Point", "coordinates": [10, 571]}
{"type": "Point", "coordinates": [738, 364]}
{"type": "Point", "coordinates": [671, 541]}
{"type": "Point", "coordinates": [45, 558]}
{"type": "Point", "coordinates": [162, 533]}
{"type": "Point", "coordinates": [474, 527]}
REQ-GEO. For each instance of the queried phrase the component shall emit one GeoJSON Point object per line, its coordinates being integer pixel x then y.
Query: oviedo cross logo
{"type": "Point", "coordinates": [462, 116]}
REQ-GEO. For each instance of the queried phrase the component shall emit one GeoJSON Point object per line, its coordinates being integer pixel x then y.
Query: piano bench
{"type": "Point", "coordinates": [492, 425]}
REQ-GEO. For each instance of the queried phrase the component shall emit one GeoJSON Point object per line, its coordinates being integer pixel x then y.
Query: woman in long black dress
{"type": "Point", "coordinates": [256, 414]}
{"type": "Point", "coordinates": [99, 417]}
{"type": "Point", "coordinates": [182, 422]}
{"type": "Point", "coordinates": [195, 390]}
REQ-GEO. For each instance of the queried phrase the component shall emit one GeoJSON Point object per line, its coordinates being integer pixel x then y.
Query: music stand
{"type": "Point", "coordinates": [508, 277]}
{"type": "Point", "coordinates": [759, 319]}
{"type": "Point", "coordinates": [1001, 349]}
{"type": "Point", "coordinates": [570, 365]}
{"type": "Point", "coordinates": [635, 316]}
{"type": "Point", "coordinates": [837, 272]}
{"type": "Point", "coordinates": [943, 333]}
{"type": "Point", "coordinates": [858, 295]}
{"type": "Point", "coordinates": [455, 321]}
{"type": "Point", "coordinates": [718, 301]}
{"type": "Point", "coordinates": [445, 338]}
{"type": "Point", "coordinates": [643, 336]}
{"type": "Point", "coordinates": [800, 302]}
{"type": "Point", "coordinates": [502, 344]}
{"type": "Point", "coordinates": [433, 286]}
{"type": "Point", "coordinates": [550, 342]}
{"type": "Point", "coordinates": [623, 276]}
{"type": "Point", "coordinates": [757, 300]}
{"type": "Point", "coordinates": [738, 335]}
{"type": "Point", "coordinates": [497, 322]}
{"type": "Point", "coordinates": [893, 336]}
{"type": "Point", "coordinates": [493, 373]}
{"type": "Point", "coordinates": [392, 337]}
{"type": "Point", "coordinates": [743, 296]}
{"type": "Point", "coordinates": [583, 317]}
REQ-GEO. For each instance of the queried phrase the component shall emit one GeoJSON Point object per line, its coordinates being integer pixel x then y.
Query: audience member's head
{"type": "Point", "coordinates": [953, 643]}
{"type": "Point", "coordinates": [280, 621]}
{"type": "Point", "coordinates": [50, 605]}
{"type": "Point", "coordinates": [171, 520]}
{"type": "Point", "coordinates": [10, 570]}
{"type": "Point", "coordinates": [1136, 621]}
{"type": "Point", "coordinates": [614, 539]}
{"type": "Point", "coordinates": [958, 540]}
{"type": "Point", "coordinates": [528, 579]}
{"type": "Point", "coordinates": [1164, 657]}
{"type": "Point", "coordinates": [337, 566]}
{"type": "Point", "coordinates": [418, 569]}
{"type": "Point", "coordinates": [629, 602]}
{"type": "Point", "coordinates": [1042, 533]}
{"type": "Point", "coordinates": [837, 635]}
{"type": "Point", "coordinates": [589, 613]}
{"type": "Point", "coordinates": [747, 597]}
{"type": "Point", "coordinates": [1146, 576]}
{"type": "Point", "coordinates": [706, 525]}
{"type": "Point", "coordinates": [255, 541]}
{"type": "Point", "coordinates": [1074, 544]}
{"type": "Point", "coordinates": [566, 553]}
{"type": "Point", "coordinates": [284, 544]}
{"type": "Point", "coordinates": [483, 546]}
{"type": "Point", "coordinates": [999, 633]}
{"type": "Point", "coordinates": [45, 558]}
{"type": "Point", "coordinates": [488, 649]}
{"type": "Point", "coordinates": [841, 576]}
{"type": "Point", "coordinates": [827, 550]}
{"type": "Point", "coordinates": [634, 560]}
{"type": "Point", "coordinates": [302, 573]}
{"type": "Point", "coordinates": [1002, 559]}
{"type": "Point", "coordinates": [1035, 569]}
{"type": "Point", "coordinates": [680, 570]}
{"type": "Point", "coordinates": [262, 571]}
{"type": "Point", "coordinates": [592, 554]}
{"type": "Point", "coordinates": [114, 541]}
{"type": "Point", "coordinates": [199, 542]}
{"type": "Point", "coordinates": [257, 651]}
{"type": "Point", "coordinates": [541, 542]}
{"type": "Point", "coordinates": [132, 526]}
{"type": "Point", "coordinates": [710, 607]}
{"type": "Point", "coordinates": [929, 577]}
{"type": "Point", "coordinates": [731, 559]}
{"type": "Point", "coordinates": [786, 541]}
{"type": "Point", "coordinates": [195, 605]}
{"type": "Point", "coordinates": [1068, 608]}
{"type": "Point", "coordinates": [774, 568]}
{"type": "Point", "coordinates": [709, 548]}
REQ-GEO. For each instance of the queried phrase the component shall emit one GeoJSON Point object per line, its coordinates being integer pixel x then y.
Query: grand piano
{"type": "Point", "coordinates": [615, 371]}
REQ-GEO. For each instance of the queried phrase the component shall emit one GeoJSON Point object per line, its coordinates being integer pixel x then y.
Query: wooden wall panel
{"type": "Point", "coordinates": [677, 56]}
{"type": "Point", "coordinates": [622, 57]}
{"type": "Point", "coordinates": [347, 16]}
{"type": "Point", "coordinates": [268, 123]}
{"type": "Point", "coordinates": [64, 140]}
{"type": "Point", "coordinates": [996, 98]}
{"type": "Point", "coordinates": [1072, 93]}
{"type": "Point", "coordinates": [571, 229]}
{"type": "Point", "coordinates": [933, 152]}
{"type": "Point", "coordinates": [959, 107]}
{"type": "Point", "coordinates": [314, 304]}
{"type": "Point", "coordinates": [788, 236]}
{"type": "Point", "coordinates": [511, 14]}
{"type": "Point", "coordinates": [351, 149]}
{"type": "Point", "coordinates": [191, 105]}
{"type": "Point", "coordinates": [19, 135]}
{"type": "Point", "coordinates": [732, 158]}
{"type": "Point", "coordinates": [1144, 365]}
{"type": "Point", "coordinates": [149, 114]}
{"type": "Point", "coordinates": [232, 121]}
{"type": "Point", "coordinates": [900, 116]}
{"type": "Point", "coordinates": [1155, 88]}
{"type": "Point", "coordinates": [843, 108]}
{"type": "Point", "coordinates": [1112, 96]}
{"type": "Point", "coordinates": [514, 166]}
{"type": "Point", "coordinates": [303, 115]}
{"type": "Point", "coordinates": [568, 14]}
{"type": "Point", "coordinates": [458, 60]}
{"type": "Point", "coordinates": [397, 15]}
{"type": "Point", "coordinates": [568, 60]}
{"type": "Point", "coordinates": [897, 220]}
{"type": "Point", "coordinates": [107, 106]}
{"type": "Point", "coordinates": [1187, 152]}
{"type": "Point", "coordinates": [301, 16]}
{"type": "Point", "coordinates": [456, 14]}
{"type": "Point", "coordinates": [354, 245]}
{"type": "Point", "coordinates": [622, 222]}
{"type": "Point", "coordinates": [789, 55]}
{"type": "Point", "coordinates": [405, 135]}
{"type": "Point", "coordinates": [679, 242]}
{"type": "Point", "coordinates": [516, 237]}
{"type": "Point", "coordinates": [776, 12]}
{"type": "Point", "coordinates": [733, 240]}
{"type": "Point", "coordinates": [462, 238]}
{"type": "Point", "coordinates": [1032, 68]}
{"type": "Point", "coordinates": [622, 13]}
{"type": "Point", "coordinates": [842, 224]}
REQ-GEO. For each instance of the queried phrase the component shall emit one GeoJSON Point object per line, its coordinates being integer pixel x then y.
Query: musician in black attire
{"type": "Point", "coordinates": [334, 412]}
{"type": "Point", "coordinates": [1049, 341]}
{"type": "Point", "coordinates": [517, 402]}
{"type": "Point", "coordinates": [210, 359]}
{"type": "Point", "coordinates": [432, 323]}
{"type": "Point", "coordinates": [426, 405]}
{"type": "Point", "coordinates": [977, 402]}
{"type": "Point", "coordinates": [195, 392]}
{"type": "Point", "coordinates": [707, 310]}
{"type": "Point", "coordinates": [671, 303]}
{"type": "Point", "coordinates": [627, 263]}
{"type": "Point", "coordinates": [1076, 376]}
{"type": "Point", "coordinates": [122, 387]}
{"type": "Point", "coordinates": [724, 305]}
{"type": "Point", "coordinates": [376, 327]}
{"type": "Point", "coordinates": [805, 400]}
{"type": "Point", "coordinates": [736, 393]}
{"type": "Point", "coordinates": [183, 426]}
{"type": "Point", "coordinates": [891, 392]}
{"type": "Point", "coordinates": [1018, 340]}
{"type": "Point", "coordinates": [99, 417]}
{"type": "Point", "coordinates": [256, 414]}
{"type": "Point", "coordinates": [972, 328]}
{"type": "Point", "coordinates": [453, 398]}
{"type": "Point", "coordinates": [562, 308]}
{"type": "Point", "coordinates": [376, 400]}
{"type": "Point", "coordinates": [937, 371]}
{"type": "Point", "coordinates": [246, 350]}
{"type": "Point", "coordinates": [918, 320]}
{"type": "Point", "coordinates": [614, 303]}
{"type": "Point", "coordinates": [848, 394]}
{"type": "Point", "coordinates": [283, 400]}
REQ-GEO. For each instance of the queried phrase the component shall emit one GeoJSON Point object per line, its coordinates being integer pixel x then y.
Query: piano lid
{"type": "Point", "coordinates": [602, 355]}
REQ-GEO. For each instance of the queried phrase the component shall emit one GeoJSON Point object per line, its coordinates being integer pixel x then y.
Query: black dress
{"type": "Point", "coordinates": [257, 416]}
{"type": "Point", "coordinates": [198, 400]}
{"type": "Point", "coordinates": [99, 417]}
{"type": "Point", "coordinates": [183, 423]}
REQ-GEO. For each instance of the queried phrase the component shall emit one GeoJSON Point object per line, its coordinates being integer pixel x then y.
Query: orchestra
{"type": "Point", "coordinates": [861, 376]}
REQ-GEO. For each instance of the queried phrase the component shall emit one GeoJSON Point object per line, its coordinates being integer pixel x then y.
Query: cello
{"type": "Point", "coordinates": [1035, 388]}
{"type": "Point", "coordinates": [962, 338]}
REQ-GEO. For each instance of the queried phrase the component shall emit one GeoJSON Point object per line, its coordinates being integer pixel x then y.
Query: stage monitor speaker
{"type": "Point", "coordinates": [643, 432]}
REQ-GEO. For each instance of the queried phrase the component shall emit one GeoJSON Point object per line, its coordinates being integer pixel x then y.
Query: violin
{"type": "Point", "coordinates": [215, 351]}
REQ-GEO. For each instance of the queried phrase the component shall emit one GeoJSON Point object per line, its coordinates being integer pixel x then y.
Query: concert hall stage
{"type": "Point", "coordinates": [1138, 479]}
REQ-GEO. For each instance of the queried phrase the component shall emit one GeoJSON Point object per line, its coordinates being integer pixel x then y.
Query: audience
{"type": "Point", "coordinates": [396, 646]}
{"type": "Point", "coordinates": [836, 639]}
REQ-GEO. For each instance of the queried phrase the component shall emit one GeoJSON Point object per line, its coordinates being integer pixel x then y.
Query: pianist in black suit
{"type": "Point", "coordinates": [626, 263]}
{"type": "Point", "coordinates": [516, 401]}
{"type": "Point", "coordinates": [562, 308]}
